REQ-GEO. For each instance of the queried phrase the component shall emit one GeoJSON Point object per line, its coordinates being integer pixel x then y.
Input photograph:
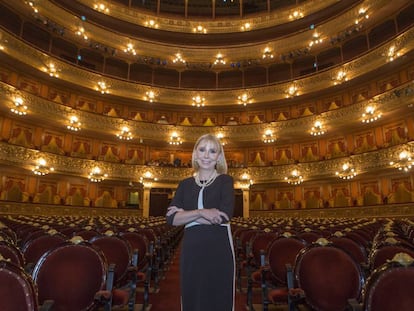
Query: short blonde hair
{"type": "Point", "coordinates": [221, 165]}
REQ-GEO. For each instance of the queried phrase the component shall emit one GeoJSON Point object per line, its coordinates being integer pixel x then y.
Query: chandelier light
{"type": "Point", "coordinates": [340, 77]}
{"type": "Point", "coordinates": [96, 175]}
{"type": "Point", "coordinates": [130, 49]}
{"type": "Point", "coordinates": [317, 129]}
{"type": "Point", "coordinates": [219, 59]}
{"type": "Point", "coordinates": [52, 70]}
{"type": "Point", "coordinates": [178, 59]}
{"type": "Point", "coordinates": [42, 168]}
{"type": "Point", "coordinates": [125, 134]}
{"type": "Point", "coordinates": [362, 14]}
{"type": "Point", "coordinates": [150, 96]}
{"type": "Point", "coordinates": [19, 108]}
{"type": "Point", "coordinates": [370, 115]}
{"type": "Point", "coordinates": [268, 137]}
{"type": "Point", "coordinates": [347, 172]}
{"type": "Point", "coordinates": [296, 15]}
{"type": "Point", "coordinates": [220, 136]}
{"type": "Point", "coordinates": [101, 8]}
{"type": "Point", "coordinates": [175, 139]}
{"type": "Point", "coordinates": [404, 162]}
{"type": "Point", "coordinates": [316, 39]}
{"type": "Point", "coordinates": [246, 27]}
{"type": "Point", "coordinates": [244, 99]}
{"type": "Point", "coordinates": [198, 101]}
{"type": "Point", "coordinates": [245, 181]}
{"type": "Point", "coordinates": [81, 32]}
{"type": "Point", "coordinates": [295, 178]}
{"type": "Point", "coordinates": [200, 29]}
{"type": "Point", "coordinates": [74, 124]}
{"type": "Point", "coordinates": [392, 54]}
{"type": "Point", "coordinates": [33, 6]}
{"type": "Point", "coordinates": [267, 53]}
{"type": "Point", "coordinates": [102, 87]}
{"type": "Point", "coordinates": [147, 179]}
{"type": "Point", "coordinates": [292, 91]}
{"type": "Point", "coordinates": [151, 24]}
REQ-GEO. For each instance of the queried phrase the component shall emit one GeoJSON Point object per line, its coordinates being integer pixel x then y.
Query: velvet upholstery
{"type": "Point", "coordinates": [117, 251]}
{"type": "Point", "coordinates": [390, 287]}
{"type": "Point", "coordinates": [70, 275]}
{"type": "Point", "coordinates": [17, 291]}
{"type": "Point", "coordinates": [34, 249]}
{"type": "Point", "coordinates": [329, 276]}
{"type": "Point", "coordinates": [380, 255]}
{"type": "Point", "coordinates": [12, 252]}
{"type": "Point", "coordinates": [353, 248]}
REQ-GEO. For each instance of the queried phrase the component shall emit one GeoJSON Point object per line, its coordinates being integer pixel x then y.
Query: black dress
{"type": "Point", "coordinates": [207, 255]}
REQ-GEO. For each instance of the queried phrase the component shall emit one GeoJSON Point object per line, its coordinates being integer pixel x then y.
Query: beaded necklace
{"type": "Point", "coordinates": [206, 183]}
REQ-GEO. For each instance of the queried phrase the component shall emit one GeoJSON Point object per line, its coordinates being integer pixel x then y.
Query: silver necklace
{"type": "Point", "coordinates": [206, 183]}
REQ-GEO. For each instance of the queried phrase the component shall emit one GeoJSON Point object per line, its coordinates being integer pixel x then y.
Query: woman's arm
{"type": "Point", "coordinates": [226, 203]}
{"type": "Point", "coordinates": [202, 216]}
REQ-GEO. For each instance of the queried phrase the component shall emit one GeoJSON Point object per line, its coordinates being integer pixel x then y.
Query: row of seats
{"type": "Point", "coordinates": [79, 263]}
{"type": "Point", "coordinates": [325, 264]}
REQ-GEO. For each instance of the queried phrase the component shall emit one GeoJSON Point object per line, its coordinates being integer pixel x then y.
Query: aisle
{"type": "Point", "coordinates": [168, 297]}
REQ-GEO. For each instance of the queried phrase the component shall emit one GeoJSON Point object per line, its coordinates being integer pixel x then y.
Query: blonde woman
{"type": "Point", "coordinates": [204, 204]}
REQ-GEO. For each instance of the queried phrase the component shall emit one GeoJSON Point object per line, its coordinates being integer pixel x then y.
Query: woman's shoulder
{"type": "Point", "coordinates": [187, 181]}
{"type": "Point", "coordinates": [225, 177]}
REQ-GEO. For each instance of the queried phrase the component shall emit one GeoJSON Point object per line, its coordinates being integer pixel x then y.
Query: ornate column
{"type": "Point", "coordinates": [244, 184]}
{"type": "Point", "coordinates": [146, 201]}
{"type": "Point", "coordinates": [246, 202]}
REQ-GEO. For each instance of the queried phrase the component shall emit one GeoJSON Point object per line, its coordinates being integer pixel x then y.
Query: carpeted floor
{"type": "Point", "coordinates": [168, 296]}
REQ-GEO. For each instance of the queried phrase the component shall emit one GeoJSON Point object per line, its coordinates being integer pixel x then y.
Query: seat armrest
{"type": "Point", "coordinates": [46, 306]}
{"type": "Point", "coordinates": [289, 276]}
{"type": "Point", "coordinates": [354, 305]}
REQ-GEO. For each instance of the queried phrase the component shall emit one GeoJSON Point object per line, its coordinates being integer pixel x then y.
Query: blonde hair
{"type": "Point", "coordinates": [221, 165]}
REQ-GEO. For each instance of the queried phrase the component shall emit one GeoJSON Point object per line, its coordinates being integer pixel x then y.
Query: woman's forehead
{"type": "Point", "coordinates": [208, 144]}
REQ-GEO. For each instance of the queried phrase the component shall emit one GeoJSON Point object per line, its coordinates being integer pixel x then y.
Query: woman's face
{"type": "Point", "coordinates": [207, 154]}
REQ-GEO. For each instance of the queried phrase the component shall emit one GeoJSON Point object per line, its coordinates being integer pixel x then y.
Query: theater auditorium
{"type": "Point", "coordinates": [102, 101]}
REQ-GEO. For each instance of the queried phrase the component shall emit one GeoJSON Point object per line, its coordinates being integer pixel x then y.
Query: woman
{"type": "Point", "coordinates": [204, 203]}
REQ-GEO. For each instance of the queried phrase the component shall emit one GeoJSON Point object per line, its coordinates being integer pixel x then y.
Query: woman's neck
{"type": "Point", "coordinates": [205, 174]}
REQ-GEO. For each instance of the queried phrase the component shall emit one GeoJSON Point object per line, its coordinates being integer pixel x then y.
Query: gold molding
{"type": "Point", "coordinates": [370, 162]}
{"type": "Point", "coordinates": [368, 62]}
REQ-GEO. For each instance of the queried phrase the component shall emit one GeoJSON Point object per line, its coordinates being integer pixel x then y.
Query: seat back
{"type": "Point", "coordinates": [309, 236]}
{"type": "Point", "coordinates": [117, 251]}
{"type": "Point", "coordinates": [260, 242]}
{"type": "Point", "coordinates": [283, 251]}
{"type": "Point", "coordinates": [352, 247]}
{"type": "Point", "coordinates": [35, 248]}
{"type": "Point", "coordinates": [380, 255]}
{"type": "Point", "coordinates": [12, 252]}
{"type": "Point", "coordinates": [139, 242]}
{"type": "Point", "coordinates": [70, 275]}
{"type": "Point", "coordinates": [87, 234]}
{"type": "Point", "coordinates": [329, 277]}
{"type": "Point", "coordinates": [7, 234]}
{"type": "Point", "coordinates": [390, 287]}
{"type": "Point", "coordinates": [17, 291]}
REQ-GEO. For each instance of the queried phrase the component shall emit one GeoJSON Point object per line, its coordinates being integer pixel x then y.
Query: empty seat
{"type": "Point", "coordinates": [328, 276]}
{"type": "Point", "coordinates": [389, 287]}
{"type": "Point", "coordinates": [70, 275]}
{"type": "Point", "coordinates": [17, 290]}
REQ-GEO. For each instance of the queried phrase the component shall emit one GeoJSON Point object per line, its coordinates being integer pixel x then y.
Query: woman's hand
{"type": "Point", "coordinates": [173, 209]}
{"type": "Point", "coordinates": [214, 216]}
